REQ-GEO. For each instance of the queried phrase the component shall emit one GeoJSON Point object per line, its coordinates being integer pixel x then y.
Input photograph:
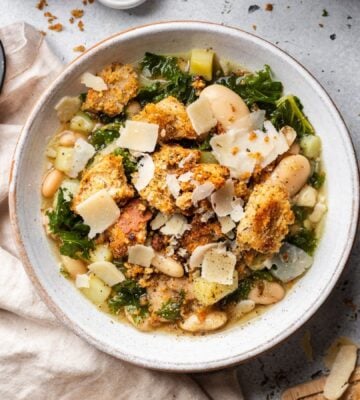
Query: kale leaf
{"type": "Point", "coordinates": [171, 310]}
{"type": "Point", "coordinates": [104, 135]}
{"type": "Point", "coordinates": [129, 165]}
{"type": "Point", "coordinates": [317, 179]}
{"type": "Point", "coordinates": [69, 228]}
{"type": "Point", "coordinates": [301, 213]}
{"type": "Point", "coordinates": [245, 285]}
{"type": "Point", "coordinates": [289, 111]}
{"type": "Point", "coordinates": [258, 88]}
{"type": "Point", "coordinates": [128, 294]}
{"type": "Point", "coordinates": [172, 81]}
{"type": "Point", "coordinates": [305, 239]}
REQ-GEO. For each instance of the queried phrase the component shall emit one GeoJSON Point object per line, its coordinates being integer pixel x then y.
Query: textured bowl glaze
{"type": "Point", "coordinates": [239, 342]}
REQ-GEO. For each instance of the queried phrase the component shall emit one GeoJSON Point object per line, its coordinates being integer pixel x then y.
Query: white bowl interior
{"type": "Point", "coordinates": [238, 343]}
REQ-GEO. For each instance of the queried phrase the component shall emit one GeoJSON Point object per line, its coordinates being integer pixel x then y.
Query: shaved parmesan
{"type": "Point", "coordinates": [145, 172]}
{"type": "Point", "coordinates": [99, 211]}
{"type": "Point", "coordinates": [221, 200]}
{"type": "Point", "coordinates": [186, 177]}
{"type": "Point", "coordinates": [201, 115]}
{"type": "Point", "coordinates": [107, 272]}
{"type": "Point", "coordinates": [82, 153]}
{"type": "Point", "coordinates": [82, 281]}
{"type": "Point", "coordinates": [159, 221]}
{"type": "Point", "coordinates": [201, 192]}
{"type": "Point", "coordinates": [254, 120]}
{"type": "Point", "coordinates": [141, 255]}
{"type": "Point", "coordinates": [93, 82]}
{"type": "Point", "coordinates": [338, 380]}
{"type": "Point", "coordinates": [186, 160]}
{"type": "Point", "coordinates": [198, 254]}
{"type": "Point", "coordinates": [227, 224]}
{"type": "Point", "coordinates": [218, 266]}
{"type": "Point", "coordinates": [279, 143]}
{"type": "Point", "coordinates": [138, 136]}
{"type": "Point", "coordinates": [238, 211]}
{"type": "Point", "coordinates": [67, 107]}
{"type": "Point", "coordinates": [173, 185]}
{"type": "Point", "coordinates": [176, 225]}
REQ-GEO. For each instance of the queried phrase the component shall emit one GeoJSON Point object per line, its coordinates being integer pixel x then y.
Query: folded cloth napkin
{"type": "Point", "coordinates": [39, 358]}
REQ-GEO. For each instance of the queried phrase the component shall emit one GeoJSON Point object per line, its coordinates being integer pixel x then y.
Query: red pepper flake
{"type": "Point", "coordinates": [57, 27]}
{"type": "Point", "coordinates": [81, 26]}
{"type": "Point", "coordinates": [79, 49]}
{"type": "Point", "coordinates": [269, 7]}
{"type": "Point", "coordinates": [41, 4]}
{"type": "Point", "coordinates": [77, 13]}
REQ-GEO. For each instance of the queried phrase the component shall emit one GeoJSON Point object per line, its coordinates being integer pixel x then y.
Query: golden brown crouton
{"type": "Point", "coordinates": [201, 173]}
{"type": "Point", "coordinates": [266, 220]}
{"type": "Point", "coordinates": [106, 172]}
{"type": "Point", "coordinates": [201, 233]}
{"type": "Point", "coordinates": [171, 117]}
{"type": "Point", "coordinates": [166, 161]}
{"type": "Point", "coordinates": [130, 228]}
{"type": "Point", "coordinates": [122, 82]}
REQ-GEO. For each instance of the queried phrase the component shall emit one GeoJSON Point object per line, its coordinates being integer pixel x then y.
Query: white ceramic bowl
{"type": "Point", "coordinates": [237, 343]}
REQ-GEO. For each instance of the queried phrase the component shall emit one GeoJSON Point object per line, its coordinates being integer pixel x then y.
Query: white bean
{"type": "Point", "coordinates": [52, 182]}
{"type": "Point", "coordinates": [67, 139]}
{"type": "Point", "coordinates": [133, 108]}
{"type": "Point", "coordinates": [227, 106]}
{"type": "Point", "coordinates": [212, 321]}
{"type": "Point", "coordinates": [266, 293]}
{"type": "Point", "coordinates": [168, 266]}
{"type": "Point", "coordinates": [292, 172]}
{"type": "Point", "coordinates": [73, 267]}
{"type": "Point", "coordinates": [289, 133]}
{"type": "Point", "coordinates": [294, 149]}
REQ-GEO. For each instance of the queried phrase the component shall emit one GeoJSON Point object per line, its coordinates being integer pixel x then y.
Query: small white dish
{"type": "Point", "coordinates": [237, 343]}
{"type": "Point", "coordinates": [122, 4]}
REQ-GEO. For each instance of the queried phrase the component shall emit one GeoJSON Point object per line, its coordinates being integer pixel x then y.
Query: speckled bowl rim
{"type": "Point", "coordinates": [223, 362]}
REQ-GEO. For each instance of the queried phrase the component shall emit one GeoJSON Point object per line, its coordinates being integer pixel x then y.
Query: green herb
{"type": "Point", "coordinates": [127, 294]}
{"type": "Point", "coordinates": [258, 88]}
{"type": "Point", "coordinates": [245, 285]}
{"type": "Point", "coordinates": [325, 13]}
{"type": "Point", "coordinates": [129, 165]}
{"type": "Point", "coordinates": [301, 213]}
{"type": "Point", "coordinates": [172, 80]}
{"type": "Point", "coordinates": [317, 179]}
{"type": "Point", "coordinates": [305, 239]}
{"type": "Point", "coordinates": [64, 273]}
{"type": "Point", "coordinates": [119, 263]}
{"type": "Point", "coordinates": [171, 310]}
{"type": "Point", "coordinates": [205, 145]}
{"type": "Point", "coordinates": [106, 119]}
{"type": "Point", "coordinates": [289, 112]}
{"type": "Point", "coordinates": [82, 97]}
{"type": "Point", "coordinates": [105, 135]}
{"type": "Point", "coordinates": [69, 228]}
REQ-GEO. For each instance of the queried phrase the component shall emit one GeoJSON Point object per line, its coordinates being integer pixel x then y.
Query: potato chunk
{"type": "Point", "coordinates": [107, 172]}
{"type": "Point", "coordinates": [266, 220]}
{"type": "Point", "coordinates": [171, 117]}
{"type": "Point", "coordinates": [122, 83]}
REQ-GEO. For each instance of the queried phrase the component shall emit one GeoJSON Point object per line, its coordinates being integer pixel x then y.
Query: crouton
{"type": "Point", "coordinates": [166, 161]}
{"type": "Point", "coordinates": [171, 117]}
{"type": "Point", "coordinates": [130, 228]}
{"type": "Point", "coordinates": [201, 173]}
{"type": "Point", "coordinates": [106, 172]}
{"type": "Point", "coordinates": [122, 82]}
{"type": "Point", "coordinates": [266, 220]}
{"type": "Point", "coordinates": [201, 233]}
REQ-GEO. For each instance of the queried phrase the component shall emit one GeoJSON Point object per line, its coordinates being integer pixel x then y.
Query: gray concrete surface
{"type": "Point", "coordinates": [294, 26]}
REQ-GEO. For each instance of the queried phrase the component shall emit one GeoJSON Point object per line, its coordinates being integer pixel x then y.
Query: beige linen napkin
{"type": "Point", "coordinates": [39, 358]}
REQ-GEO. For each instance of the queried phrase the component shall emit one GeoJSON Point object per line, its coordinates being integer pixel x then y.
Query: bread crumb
{"type": "Point", "coordinates": [269, 7]}
{"type": "Point", "coordinates": [254, 27]}
{"type": "Point", "coordinates": [57, 27]}
{"type": "Point", "coordinates": [43, 33]}
{"type": "Point", "coordinates": [77, 13]}
{"type": "Point", "coordinates": [41, 4]}
{"type": "Point", "coordinates": [81, 26]}
{"type": "Point", "coordinates": [71, 20]}
{"type": "Point", "coordinates": [51, 17]}
{"type": "Point", "coordinates": [79, 48]}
